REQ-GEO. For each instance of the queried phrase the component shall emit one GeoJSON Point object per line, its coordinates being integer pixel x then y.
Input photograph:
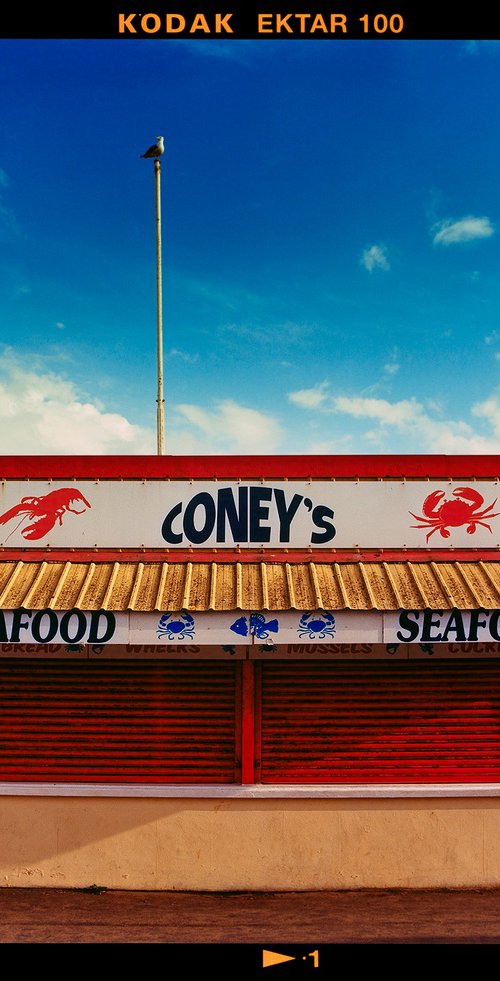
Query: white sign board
{"type": "Point", "coordinates": [313, 514]}
{"type": "Point", "coordinates": [230, 630]}
{"type": "Point", "coordinates": [268, 629]}
{"type": "Point", "coordinates": [441, 626]}
{"type": "Point", "coordinates": [71, 627]}
{"type": "Point", "coordinates": [233, 629]}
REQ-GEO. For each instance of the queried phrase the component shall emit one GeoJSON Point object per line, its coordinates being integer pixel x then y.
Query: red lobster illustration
{"type": "Point", "coordinates": [46, 510]}
{"type": "Point", "coordinates": [454, 513]}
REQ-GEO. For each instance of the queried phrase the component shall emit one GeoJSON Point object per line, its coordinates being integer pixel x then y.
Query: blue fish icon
{"type": "Point", "coordinates": [240, 626]}
{"type": "Point", "coordinates": [260, 628]}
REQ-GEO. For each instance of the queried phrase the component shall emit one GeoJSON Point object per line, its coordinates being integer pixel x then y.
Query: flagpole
{"type": "Point", "coordinates": [160, 427]}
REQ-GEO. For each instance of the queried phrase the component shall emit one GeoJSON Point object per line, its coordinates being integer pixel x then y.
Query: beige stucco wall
{"type": "Point", "coordinates": [199, 844]}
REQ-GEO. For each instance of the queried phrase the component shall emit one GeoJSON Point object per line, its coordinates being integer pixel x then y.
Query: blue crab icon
{"type": "Point", "coordinates": [317, 625]}
{"type": "Point", "coordinates": [179, 629]}
{"type": "Point", "coordinates": [257, 627]}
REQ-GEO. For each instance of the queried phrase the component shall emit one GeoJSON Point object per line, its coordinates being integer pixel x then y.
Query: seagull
{"type": "Point", "coordinates": [156, 150]}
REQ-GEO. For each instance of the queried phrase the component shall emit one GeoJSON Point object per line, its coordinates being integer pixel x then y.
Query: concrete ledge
{"type": "Point", "coordinates": [267, 791]}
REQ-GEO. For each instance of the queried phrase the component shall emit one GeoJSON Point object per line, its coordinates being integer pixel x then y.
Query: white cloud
{"type": "Point", "coordinates": [409, 418]}
{"type": "Point", "coordinates": [490, 410]}
{"type": "Point", "coordinates": [479, 47]}
{"type": "Point", "coordinates": [338, 444]}
{"type": "Point", "coordinates": [41, 412]}
{"type": "Point", "coordinates": [239, 50]}
{"type": "Point", "coordinates": [375, 257]}
{"type": "Point", "coordinates": [408, 423]}
{"type": "Point", "coordinates": [229, 428]}
{"type": "Point", "coordinates": [309, 398]}
{"type": "Point", "coordinates": [60, 325]}
{"type": "Point", "coordinates": [389, 413]}
{"type": "Point", "coordinates": [183, 355]}
{"type": "Point", "coordinates": [4, 178]}
{"type": "Point", "coordinates": [392, 366]}
{"type": "Point", "coordinates": [466, 230]}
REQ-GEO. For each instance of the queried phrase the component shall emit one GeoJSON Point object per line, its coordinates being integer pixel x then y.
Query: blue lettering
{"type": "Point", "coordinates": [50, 628]}
{"type": "Point", "coordinates": [455, 625]}
{"type": "Point", "coordinates": [109, 626]}
{"type": "Point", "coordinates": [406, 623]}
{"type": "Point", "coordinates": [166, 529]}
{"type": "Point", "coordinates": [475, 623]}
{"type": "Point", "coordinates": [429, 622]}
{"type": "Point", "coordinates": [18, 623]}
{"type": "Point", "coordinates": [286, 515]}
{"type": "Point", "coordinates": [494, 625]}
{"type": "Point", "coordinates": [259, 512]}
{"type": "Point", "coordinates": [78, 632]}
{"type": "Point", "coordinates": [192, 533]}
{"type": "Point", "coordinates": [242, 516]}
{"type": "Point", "coordinates": [238, 520]}
{"type": "Point", "coordinates": [320, 512]}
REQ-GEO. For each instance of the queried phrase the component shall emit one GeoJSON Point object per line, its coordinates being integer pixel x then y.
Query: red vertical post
{"type": "Point", "coordinates": [248, 723]}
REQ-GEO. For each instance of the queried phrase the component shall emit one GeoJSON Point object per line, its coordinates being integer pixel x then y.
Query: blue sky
{"type": "Point", "coordinates": [331, 246]}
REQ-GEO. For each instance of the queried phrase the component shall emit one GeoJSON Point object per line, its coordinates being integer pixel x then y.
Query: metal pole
{"type": "Point", "coordinates": [159, 318]}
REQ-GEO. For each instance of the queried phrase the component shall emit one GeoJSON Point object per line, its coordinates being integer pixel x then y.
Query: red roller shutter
{"type": "Point", "coordinates": [380, 722]}
{"type": "Point", "coordinates": [119, 721]}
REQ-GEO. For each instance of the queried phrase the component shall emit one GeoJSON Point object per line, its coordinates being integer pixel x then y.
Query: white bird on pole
{"type": "Point", "coordinates": [156, 150]}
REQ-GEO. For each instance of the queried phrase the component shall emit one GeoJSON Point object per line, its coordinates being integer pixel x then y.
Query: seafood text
{"type": "Point", "coordinates": [441, 626]}
{"type": "Point", "coordinates": [43, 626]}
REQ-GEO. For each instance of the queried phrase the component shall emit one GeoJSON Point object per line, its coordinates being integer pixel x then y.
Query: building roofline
{"type": "Point", "coordinates": [252, 467]}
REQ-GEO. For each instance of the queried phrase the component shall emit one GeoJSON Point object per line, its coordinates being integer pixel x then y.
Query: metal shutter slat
{"type": "Point", "coordinates": [409, 722]}
{"type": "Point", "coordinates": [155, 722]}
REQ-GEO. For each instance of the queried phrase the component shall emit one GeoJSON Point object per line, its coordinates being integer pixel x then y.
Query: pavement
{"type": "Point", "coordinates": [282, 930]}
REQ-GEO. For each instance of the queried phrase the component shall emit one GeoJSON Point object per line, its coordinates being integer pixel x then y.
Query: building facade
{"type": "Point", "coordinates": [250, 673]}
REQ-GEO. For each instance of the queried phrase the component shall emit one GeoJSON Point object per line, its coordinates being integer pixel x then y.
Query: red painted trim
{"type": "Point", "coordinates": [258, 719]}
{"type": "Point", "coordinates": [230, 557]}
{"type": "Point", "coordinates": [237, 721]}
{"type": "Point", "coordinates": [324, 467]}
{"type": "Point", "coordinates": [247, 723]}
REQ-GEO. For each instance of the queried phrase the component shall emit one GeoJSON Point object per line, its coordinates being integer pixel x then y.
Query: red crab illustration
{"type": "Point", "coordinates": [46, 510]}
{"type": "Point", "coordinates": [463, 510]}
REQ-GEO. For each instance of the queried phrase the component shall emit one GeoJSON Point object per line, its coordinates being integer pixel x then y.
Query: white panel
{"type": "Point", "coordinates": [268, 514]}
{"type": "Point", "coordinates": [266, 629]}
{"type": "Point", "coordinates": [219, 629]}
{"type": "Point", "coordinates": [322, 626]}
{"type": "Point", "coordinates": [71, 627]}
{"type": "Point", "coordinates": [438, 626]}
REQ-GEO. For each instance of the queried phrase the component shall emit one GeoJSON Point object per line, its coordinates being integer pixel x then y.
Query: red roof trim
{"type": "Point", "coordinates": [222, 556]}
{"type": "Point", "coordinates": [325, 467]}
